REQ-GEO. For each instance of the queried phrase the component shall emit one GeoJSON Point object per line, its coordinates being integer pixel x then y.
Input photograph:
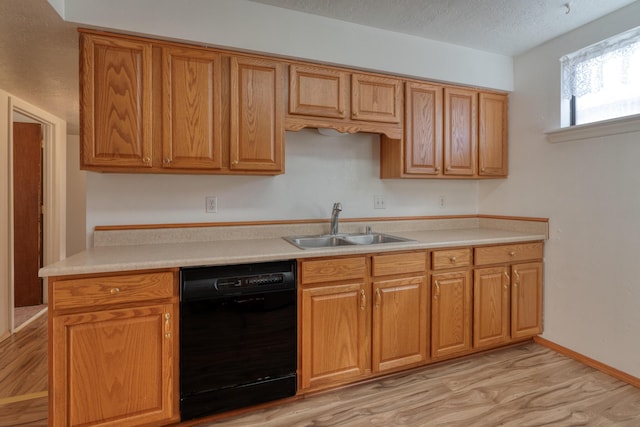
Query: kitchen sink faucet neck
{"type": "Point", "coordinates": [337, 208]}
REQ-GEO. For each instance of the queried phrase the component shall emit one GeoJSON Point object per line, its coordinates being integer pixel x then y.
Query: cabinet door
{"type": "Point", "coordinates": [491, 297]}
{"type": "Point", "coordinates": [450, 313]}
{"type": "Point", "coordinates": [460, 131]}
{"type": "Point", "coordinates": [115, 102]}
{"type": "Point", "coordinates": [115, 368]}
{"type": "Point", "coordinates": [423, 129]}
{"type": "Point", "coordinates": [375, 98]}
{"type": "Point", "coordinates": [399, 323]}
{"type": "Point", "coordinates": [317, 91]}
{"type": "Point", "coordinates": [257, 115]}
{"type": "Point", "coordinates": [334, 338]}
{"type": "Point", "coordinates": [526, 300]}
{"type": "Point", "coordinates": [492, 138]}
{"type": "Point", "coordinates": [192, 109]}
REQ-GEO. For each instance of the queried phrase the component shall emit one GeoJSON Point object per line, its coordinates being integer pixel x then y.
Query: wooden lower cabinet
{"type": "Point", "coordinates": [451, 308]}
{"type": "Point", "coordinates": [491, 297]}
{"type": "Point", "coordinates": [114, 364]}
{"type": "Point", "coordinates": [334, 334]}
{"type": "Point", "coordinates": [361, 315]}
{"type": "Point", "coordinates": [333, 312]}
{"type": "Point", "coordinates": [526, 300]}
{"type": "Point", "coordinates": [400, 336]}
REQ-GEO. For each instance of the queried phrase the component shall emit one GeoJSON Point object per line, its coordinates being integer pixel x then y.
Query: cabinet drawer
{"type": "Point", "coordinates": [413, 262]}
{"type": "Point", "coordinates": [450, 258]}
{"type": "Point", "coordinates": [96, 291]}
{"type": "Point", "coordinates": [508, 253]}
{"type": "Point", "coordinates": [332, 270]}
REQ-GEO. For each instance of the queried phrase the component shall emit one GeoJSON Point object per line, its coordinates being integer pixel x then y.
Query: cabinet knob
{"type": "Point", "coordinates": [363, 299]}
{"type": "Point", "coordinates": [437, 169]}
{"type": "Point", "coordinates": [235, 163]}
{"type": "Point", "coordinates": [166, 161]}
{"type": "Point", "coordinates": [167, 335]}
{"type": "Point", "coordinates": [448, 168]}
{"type": "Point", "coordinates": [452, 259]}
{"type": "Point", "coordinates": [512, 253]}
{"type": "Point", "coordinates": [483, 170]}
{"type": "Point", "coordinates": [114, 291]}
{"type": "Point", "coordinates": [146, 160]}
{"type": "Point", "coordinates": [378, 297]}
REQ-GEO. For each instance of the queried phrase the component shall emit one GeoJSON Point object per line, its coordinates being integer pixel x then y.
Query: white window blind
{"type": "Point", "coordinates": [602, 81]}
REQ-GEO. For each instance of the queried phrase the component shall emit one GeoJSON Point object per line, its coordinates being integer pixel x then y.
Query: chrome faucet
{"type": "Point", "coordinates": [337, 208]}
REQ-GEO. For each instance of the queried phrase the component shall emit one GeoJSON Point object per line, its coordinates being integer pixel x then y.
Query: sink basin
{"type": "Point", "coordinates": [325, 241]}
{"type": "Point", "coordinates": [329, 241]}
{"type": "Point", "coordinates": [373, 238]}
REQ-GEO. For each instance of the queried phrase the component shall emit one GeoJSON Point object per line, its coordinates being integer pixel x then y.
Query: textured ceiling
{"type": "Point", "coordinates": [508, 27]}
{"type": "Point", "coordinates": [39, 51]}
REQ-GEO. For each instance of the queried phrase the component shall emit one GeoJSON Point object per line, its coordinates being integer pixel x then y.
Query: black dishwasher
{"type": "Point", "coordinates": [238, 336]}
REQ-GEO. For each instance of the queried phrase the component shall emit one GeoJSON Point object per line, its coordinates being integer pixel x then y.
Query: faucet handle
{"type": "Point", "coordinates": [337, 206]}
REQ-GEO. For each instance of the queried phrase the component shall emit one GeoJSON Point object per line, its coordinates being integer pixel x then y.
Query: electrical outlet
{"type": "Point", "coordinates": [443, 202]}
{"type": "Point", "coordinates": [211, 204]}
{"type": "Point", "coordinates": [379, 203]}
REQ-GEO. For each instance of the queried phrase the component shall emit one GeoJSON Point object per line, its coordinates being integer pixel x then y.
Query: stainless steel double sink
{"type": "Point", "coordinates": [337, 240]}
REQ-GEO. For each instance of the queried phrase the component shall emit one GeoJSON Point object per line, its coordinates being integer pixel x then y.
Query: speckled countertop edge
{"type": "Point", "coordinates": [186, 254]}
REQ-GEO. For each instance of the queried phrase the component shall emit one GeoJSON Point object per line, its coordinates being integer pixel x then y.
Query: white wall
{"type": "Point", "coordinates": [590, 190]}
{"type": "Point", "coordinates": [252, 26]}
{"type": "Point", "coordinates": [76, 198]}
{"type": "Point", "coordinates": [320, 170]}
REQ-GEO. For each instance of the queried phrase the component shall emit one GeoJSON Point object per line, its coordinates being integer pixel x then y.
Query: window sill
{"type": "Point", "coordinates": [595, 130]}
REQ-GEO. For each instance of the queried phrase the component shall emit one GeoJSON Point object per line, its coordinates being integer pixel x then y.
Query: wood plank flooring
{"type": "Point", "coordinates": [528, 385]}
{"type": "Point", "coordinates": [23, 376]}
{"type": "Point", "coordinates": [522, 386]}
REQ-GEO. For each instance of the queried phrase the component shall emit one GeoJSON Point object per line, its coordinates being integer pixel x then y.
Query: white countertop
{"type": "Point", "coordinates": [220, 252]}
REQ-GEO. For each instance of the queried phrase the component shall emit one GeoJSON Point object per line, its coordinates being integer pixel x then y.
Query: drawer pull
{"type": "Point", "coordinates": [167, 335]}
{"type": "Point", "coordinates": [512, 253]}
{"type": "Point", "coordinates": [452, 259]}
{"type": "Point", "coordinates": [437, 289]}
{"type": "Point", "coordinates": [114, 291]}
{"type": "Point", "coordinates": [507, 276]}
{"type": "Point", "coordinates": [515, 273]}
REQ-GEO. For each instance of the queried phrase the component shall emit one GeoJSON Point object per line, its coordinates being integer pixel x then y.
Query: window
{"type": "Point", "coordinates": [602, 81]}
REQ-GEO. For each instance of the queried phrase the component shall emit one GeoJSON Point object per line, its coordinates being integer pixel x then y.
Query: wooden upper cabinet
{"type": "Point", "coordinates": [318, 91]}
{"type": "Point", "coordinates": [257, 114]}
{"type": "Point", "coordinates": [492, 137]}
{"type": "Point", "coordinates": [423, 129]}
{"type": "Point", "coordinates": [115, 102]}
{"type": "Point", "coordinates": [460, 131]}
{"type": "Point", "coordinates": [192, 108]}
{"type": "Point", "coordinates": [376, 98]}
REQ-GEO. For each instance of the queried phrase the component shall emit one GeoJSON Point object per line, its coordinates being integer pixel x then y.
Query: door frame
{"type": "Point", "coordinates": [54, 132]}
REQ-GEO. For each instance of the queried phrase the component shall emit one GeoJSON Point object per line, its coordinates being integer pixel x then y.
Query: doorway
{"type": "Point", "coordinates": [27, 223]}
{"type": "Point", "coordinates": [37, 181]}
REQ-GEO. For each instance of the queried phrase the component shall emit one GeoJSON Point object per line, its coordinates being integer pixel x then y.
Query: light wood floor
{"type": "Point", "coordinates": [528, 385]}
{"type": "Point", "coordinates": [23, 376]}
